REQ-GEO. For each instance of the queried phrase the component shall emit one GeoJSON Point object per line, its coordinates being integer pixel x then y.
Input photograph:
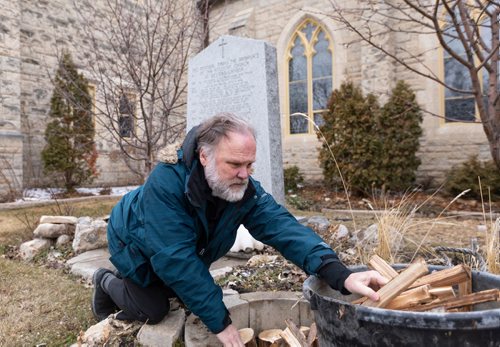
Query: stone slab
{"type": "Point", "coordinates": [85, 264]}
{"type": "Point", "coordinates": [197, 334]}
{"type": "Point", "coordinates": [238, 309]}
{"type": "Point", "coordinates": [164, 333]}
{"type": "Point", "coordinates": [239, 75]}
{"type": "Point", "coordinates": [58, 219]}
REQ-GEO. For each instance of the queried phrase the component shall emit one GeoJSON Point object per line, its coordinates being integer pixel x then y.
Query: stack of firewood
{"type": "Point", "coordinates": [292, 336]}
{"type": "Point", "coordinates": [414, 289]}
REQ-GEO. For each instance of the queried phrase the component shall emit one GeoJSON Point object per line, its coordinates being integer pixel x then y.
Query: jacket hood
{"type": "Point", "coordinates": [189, 147]}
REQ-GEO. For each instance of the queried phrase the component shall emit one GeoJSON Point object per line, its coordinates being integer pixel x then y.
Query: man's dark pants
{"type": "Point", "coordinates": [148, 304]}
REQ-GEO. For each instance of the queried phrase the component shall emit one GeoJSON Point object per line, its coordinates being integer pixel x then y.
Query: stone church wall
{"type": "Point", "coordinates": [32, 35]}
{"type": "Point", "coordinates": [442, 145]}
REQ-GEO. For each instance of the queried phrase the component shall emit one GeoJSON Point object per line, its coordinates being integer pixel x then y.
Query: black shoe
{"type": "Point", "coordinates": [102, 304]}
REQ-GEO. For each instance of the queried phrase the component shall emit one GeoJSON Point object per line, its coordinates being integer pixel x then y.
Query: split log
{"type": "Point", "coordinates": [470, 299]}
{"type": "Point", "coordinates": [398, 284]}
{"type": "Point", "coordinates": [465, 288]}
{"type": "Point", "coordinates": [247, 336]}
{"type": "Point", "coordinates": [290, 339]}
{"type": "Point", "coordinates": [293, 336]}
{"type": "Point", "coordinates": [442, 293]}
{"type": "Point", "coordinates": [446, 277]}
{"type": "Point", "coordinates": [270, 338]}
{"type": "Point", "coordinates": [378, 264]}
{"type": "Point", "coordinates": [312, 337]}
{"type": "Point", "coordinates": [411, 298]}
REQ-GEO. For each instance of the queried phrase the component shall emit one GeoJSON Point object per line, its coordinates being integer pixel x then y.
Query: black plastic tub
{"type": "Point", "coordinates": [342, 324]}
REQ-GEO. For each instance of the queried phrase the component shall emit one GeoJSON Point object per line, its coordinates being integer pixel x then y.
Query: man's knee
{"type": "Point", "coordinates": [156, 316]}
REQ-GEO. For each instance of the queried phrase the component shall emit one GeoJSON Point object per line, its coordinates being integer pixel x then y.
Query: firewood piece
{"type": "Point", "coordinates": [398, 284]}
{"type": "Point", "coordinates": [446, 277]}
{"type": "Point", "coordinates": [312, 337]}
{"type": "Point", "coordinates": [247, 337]}
{"type": "Point", "coordinates": [293, 336]}
{"type": "Point", "coordinates": [359, 301]}
{"type": "Point", "coordinates": [378, 264]}
{"type": "Point", "coordinates": [290, 339]}
{"type": "Point", "coordinates": [470, 299]}
{"type": "Point", "coordinates": [442, 293]}
{"type": "Point", "coordinates": [270, 338]}
{"type": "Point", "coordinates": [465, 288]}
{"type": "Point", "coordinates": [411, 298]}
{"type": "Point", "coordinates": [305, 331]}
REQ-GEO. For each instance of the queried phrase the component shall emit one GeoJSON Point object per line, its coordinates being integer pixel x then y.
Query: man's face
{"type": "Point", "coordinates": [228, 169]}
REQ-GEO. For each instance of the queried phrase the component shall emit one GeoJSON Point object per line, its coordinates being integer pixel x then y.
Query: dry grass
{"type": "Point", "coordinates": [37, 304]}
{"type": "Point", "coordinates": [492, 247]}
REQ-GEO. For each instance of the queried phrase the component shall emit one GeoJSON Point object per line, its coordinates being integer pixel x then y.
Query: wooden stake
{"type": "Point", "coordinates": [470, 299]}
{"type": "Point", "coordinates": [446, 277]}
{"type": "Point", "coordinates": [378, 264]}
{"type": "Point", "coordinates": [398, 284]}
{"type": "Point", "coordinates": [270, 338]}
{"type": "Point", "coordinates": [411, 298]}
{"type": "Point", "coordinates": [247, 336]}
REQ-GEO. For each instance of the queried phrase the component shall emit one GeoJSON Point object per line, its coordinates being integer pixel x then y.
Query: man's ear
{"type": "Point", "coordinates": [203, 157]}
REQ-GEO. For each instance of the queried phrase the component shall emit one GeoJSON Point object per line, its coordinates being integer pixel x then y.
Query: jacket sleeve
{"type": "Point", "coordinates": [171, 238]}
{"type": "Point", "coordinates": [273, 225]}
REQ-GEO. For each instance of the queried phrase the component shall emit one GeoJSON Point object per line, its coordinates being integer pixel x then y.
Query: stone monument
{"type": "Point", "coordinates": [240, 76]}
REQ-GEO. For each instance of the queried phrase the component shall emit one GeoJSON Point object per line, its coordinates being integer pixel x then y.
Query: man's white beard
{"type": "Point", "coordinates": [223, 189]}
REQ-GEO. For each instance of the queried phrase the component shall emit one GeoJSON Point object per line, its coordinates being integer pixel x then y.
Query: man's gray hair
{"type": "Point", "coordinates": [212, 130]}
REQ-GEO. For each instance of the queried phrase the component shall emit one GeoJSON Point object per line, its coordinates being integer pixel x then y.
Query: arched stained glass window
{"type": "Point", "coordinates": [310, 71]}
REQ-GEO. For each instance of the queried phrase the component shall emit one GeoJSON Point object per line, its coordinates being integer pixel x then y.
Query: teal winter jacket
{"type": "Point", "coordinates": [160, 231]}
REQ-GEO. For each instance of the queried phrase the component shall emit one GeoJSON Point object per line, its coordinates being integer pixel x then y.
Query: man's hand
{"type": "Point", "coordinates": [365, 283]}
{"type": "Point", "coordinates": [230, 337]}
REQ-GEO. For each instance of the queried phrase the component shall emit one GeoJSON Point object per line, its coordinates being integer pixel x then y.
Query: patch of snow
{"type": "Point", "coordinates": [41, 194]}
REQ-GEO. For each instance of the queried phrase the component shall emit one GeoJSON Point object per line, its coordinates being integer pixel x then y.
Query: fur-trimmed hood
{"type": "Point", "coordinates": [170, 153]}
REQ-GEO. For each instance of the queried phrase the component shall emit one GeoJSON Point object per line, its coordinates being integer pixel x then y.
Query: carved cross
{"type": "Point", "coordinates": [222, 44]}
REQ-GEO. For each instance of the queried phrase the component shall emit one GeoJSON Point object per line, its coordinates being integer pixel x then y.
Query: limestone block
{"type": "Point", "coordinates": [97, 334]}
{"type": "Point", "coordinates": [341, 233]}
{"type": "Point", "coordinates": [270, 309]}
{"type": "Point", "coordinates": [320, 223]}
{"type": "Point", "coordinates": [238, 309]}
{"type": "Point", "coordinates": [164, 333]}
{"type": "Point", "coordinates": [28, 250]}
{"type": "Point", "coordinates": [90, 236]}
{"type": "Point", "coordinates": [85, 264]}
{"type": "Point", "coordinates": [58, 219]}
{"type": "Point", "coordinates": [198, 335]}
{"type": "Point", "coordinates": [63, 240]}
{"type": "Point", "coordinates": [51, 231]}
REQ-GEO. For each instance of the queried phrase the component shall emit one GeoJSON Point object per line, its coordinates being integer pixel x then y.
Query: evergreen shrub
{"type": "Point", "coordinates": [292, 177]}
{"type": "Point", "coordinates": [70, 152]}
{"type": "Point", "coordinates": [374, 146]}
{"type": "Point", "coordinates": [465, 176]}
